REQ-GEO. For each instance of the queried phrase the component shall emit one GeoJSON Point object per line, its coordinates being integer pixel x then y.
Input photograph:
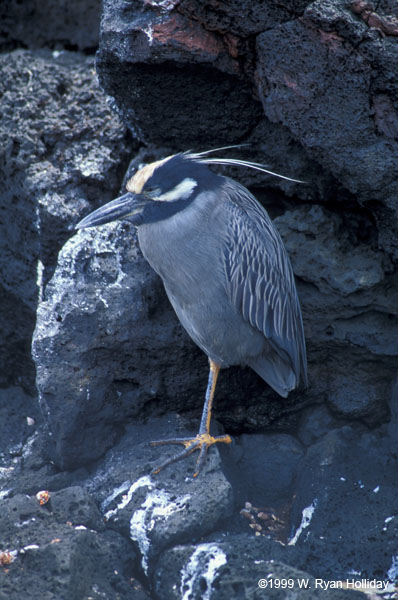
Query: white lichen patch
{"type": "Point", "coordinates": [165, 5]}
{"type": "Point", "coordinates": [6, 472]}
{"type": "Point", "coordinates": [392, 572]}
{"type": "Point", "coordinates": [91, 163]}
{"type": "Point", "coordinates": [141, 482]}
{"type": "Point", "coordinates": [116, 492]}
{"type": "Point", "coordinates": [203, 565]}
{"type": "Point", "coordinates": [158, 507]}
{"type": "Point", "coordinates": [389, 519]}
{"type": "Point", "coordinates": [28, 448]}
{"type": "Point", "coordinates": [149, 33]}
{"type": "Point", "coordinates": [305, 521]}
{"type": "Point", "coordinates": [39, 280]}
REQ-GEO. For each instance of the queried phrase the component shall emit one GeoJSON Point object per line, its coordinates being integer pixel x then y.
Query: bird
{"type": "Point", "coordinates": [225, 270]}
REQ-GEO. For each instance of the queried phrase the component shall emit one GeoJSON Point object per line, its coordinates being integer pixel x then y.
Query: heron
{"type": "Point", "coordinates": [225, 270]}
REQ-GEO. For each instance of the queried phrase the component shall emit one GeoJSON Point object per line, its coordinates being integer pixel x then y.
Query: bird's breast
{"type": "Point", "coordinates": [180, 246]}
{"type": "Point", "coordinates": [186, 251]}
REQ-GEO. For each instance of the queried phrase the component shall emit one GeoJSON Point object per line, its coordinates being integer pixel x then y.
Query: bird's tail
{"type": "Point", "coordinates": [276, 372]}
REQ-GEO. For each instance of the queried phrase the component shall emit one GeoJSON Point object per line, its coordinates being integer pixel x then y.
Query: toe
{"type": "Point", "coordinates": [179, 456]}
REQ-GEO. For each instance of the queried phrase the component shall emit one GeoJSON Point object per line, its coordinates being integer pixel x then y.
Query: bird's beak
{"type": "Point", "coordinates": [126, 206]}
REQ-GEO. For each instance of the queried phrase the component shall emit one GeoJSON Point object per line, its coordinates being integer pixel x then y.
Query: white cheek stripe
{"type": "Point", "coordinates": [182, 191]}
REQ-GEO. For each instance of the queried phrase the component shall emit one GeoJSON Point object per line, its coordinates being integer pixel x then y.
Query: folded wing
{"type": "Point", "coordinates": [261, 286]}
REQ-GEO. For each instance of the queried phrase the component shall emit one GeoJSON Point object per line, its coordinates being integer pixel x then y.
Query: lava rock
{"type": "Point", "coordinates": [62, 152]}
{"type": "Point", "coordinates": [239, 567]}
{"type": "Point", "coordinates": [349, 296]}
{"type": "Point", "coordinates": [318, 76]}
{"type": "Point", "coordinates": [60, 561]}
{"type": "Point", "coordinates": [335, 260]}
{"type": "Point", "coordinates": [157, 511]}
{"type": "Point", "coordinates": [27, 469]}
{"type": "Point", "coordinates": [227, 18]}
{"type": "Point", "coordinates": [393, 424]}
{"type": "Point", "coordinates": [187, 83]}
{"type": "Point", "coordinates": [19, 419]}
{"type": "Point", "coordinates": [37, 24]}
{"type": "Point", "coordinates": [76, 506]}
{"type": "Point", "coordinates": [264, 473]}
{"type": "Point", "coordinates": [315, 422]}
{"type": "Point", "coordinates": [345, 491]}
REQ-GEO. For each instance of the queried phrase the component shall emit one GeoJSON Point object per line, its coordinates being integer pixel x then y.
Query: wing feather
{"type": "Point", "coordinates": [260, 278]}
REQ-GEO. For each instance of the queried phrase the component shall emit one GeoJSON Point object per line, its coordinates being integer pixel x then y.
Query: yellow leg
{"type": "Point", "coordinates": [203, 440]}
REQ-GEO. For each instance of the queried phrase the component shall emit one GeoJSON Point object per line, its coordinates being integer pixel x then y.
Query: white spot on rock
{"type": "Point", "coordinates": [23, 523]}
{"type": "Point", "coordinates": [119, 490]}
{"type": "Point", "coordinates": [27, 449]}
{"type": "Point", "coordinates": [305, 521]}
{"type": "Point", "coordinates": [39, 280]}
{"type": "Point", "coordinates": [158, 506]}
{"type": "Point", "coordinates": [392, 572]}
{"type": "Point", "coordinates": [30, 547]}
{"type": "Point", "coordinates": [149, 33]}
{"type": "Point", "coordinates": [388, 519]}
{"type": "Point", "coordinates": [141, 482]}
{"type": "Point", "coordinates": [203, 564]}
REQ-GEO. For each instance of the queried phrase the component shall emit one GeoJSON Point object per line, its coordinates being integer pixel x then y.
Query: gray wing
{"type": "Point", "coordinates": [260, 278]}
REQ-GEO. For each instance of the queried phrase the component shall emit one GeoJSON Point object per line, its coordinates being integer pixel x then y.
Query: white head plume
{"type": "Point", "coordinates": [202, 157]}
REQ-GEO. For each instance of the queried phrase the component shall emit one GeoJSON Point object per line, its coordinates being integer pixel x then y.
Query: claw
{"type": "Point", "coordinates": [201, 442]}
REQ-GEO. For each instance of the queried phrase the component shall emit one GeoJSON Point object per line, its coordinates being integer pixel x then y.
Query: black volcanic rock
{"type": "Point", "coordinates": [259, 460]}
{"type": "Point", "coordinates": [238, 567]}
{"type": "Point", "coordinates": [241, 18]}
{"type": "Point", "coordinates": [346, 491]}
{"type": "Point", "coordinates": [172, 79]}
{"type": "Point", "coordinates": [77, 335]}
{"type": "Point", "coordinates": [158, 511]}
{"type": "Point", "coordinates": [41, 23]}
{"type": "Point", "coordinates": [331, 80]}
{"type": "Point", "coordinates": [349, 294]}
{"type": "Point", "coordinates": [62, 149]}
{"type": "Point", "coordinates": [57, 559]}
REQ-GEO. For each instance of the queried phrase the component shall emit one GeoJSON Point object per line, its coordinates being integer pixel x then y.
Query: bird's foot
{"type": "Point", "coordinates": [201, 442]}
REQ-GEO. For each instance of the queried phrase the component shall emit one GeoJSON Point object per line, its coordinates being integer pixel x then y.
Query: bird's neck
{"type": "Point", "coordinates": [156, 211]}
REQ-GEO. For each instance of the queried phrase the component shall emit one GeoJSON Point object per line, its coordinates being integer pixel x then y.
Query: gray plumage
{"type": "Point", "coordinates": [229, 279]}
{"type": "Point", "coordinates": [225, 271]}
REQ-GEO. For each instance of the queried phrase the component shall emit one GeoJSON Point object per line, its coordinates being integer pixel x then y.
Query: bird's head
{"type": "Point", "coordinates": [156, 191]}
{"type": "Point", "coordinates": [165, 187]}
